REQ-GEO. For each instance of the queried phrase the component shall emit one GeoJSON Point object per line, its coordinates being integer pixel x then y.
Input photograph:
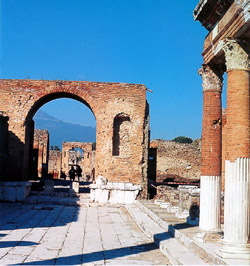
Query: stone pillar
{"type": "Point", "coordinates": [3, 144]}
{"type": "Point", "coordinates": [237, 165]}
{"type": "Point", "coordinates": [209, 222]}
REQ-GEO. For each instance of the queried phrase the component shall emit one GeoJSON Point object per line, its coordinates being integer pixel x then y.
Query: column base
{"type": "Point", "coordinates": [213, 236]}
{"type": "Point", "coordinates": [235, 251]}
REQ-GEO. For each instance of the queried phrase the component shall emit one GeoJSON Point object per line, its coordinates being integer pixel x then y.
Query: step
{"type": "Point", "coordinates": [206, 251]}
{"type": "Point", "coordinates": [177, 253]}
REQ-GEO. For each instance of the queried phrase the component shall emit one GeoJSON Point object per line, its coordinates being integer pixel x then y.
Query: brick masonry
{"type": "Point", "coordinates": [211, 134]}
{"type": "Point", "coordinates": [55, 163]}
{"type": "Point", "coordinates": [176, 161]}
{"type": "Point", "coordinates": [40, 154]}
{"type": "Point", "coordinates": [20, 99]}
{"type": "Point", "coordinates": [238, 119]}
{"type": "Point", "coordinates": [87, 163]}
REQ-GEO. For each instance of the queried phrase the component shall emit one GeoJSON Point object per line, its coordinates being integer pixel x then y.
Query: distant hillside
{"type": "Point", "coordinates": [60, 131]}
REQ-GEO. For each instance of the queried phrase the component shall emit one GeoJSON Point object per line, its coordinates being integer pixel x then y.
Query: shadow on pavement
{"type": "Point", "coordinates": [6, 244]}
{"type": "Point", "coordinates": [96, 256]}
{"type": "Point", "coordinates": [47, 212]}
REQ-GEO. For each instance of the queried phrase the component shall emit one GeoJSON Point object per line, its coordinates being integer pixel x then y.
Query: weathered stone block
{"type": "Point", "coordinates": [114, 193]}
{"type": "Point", "coordinates": [48, 187]}
{"type": "Point", "coordinates": [23, 190]}
{"type": "Point", "coordinates": [101, 195]}
{"type": "Point", "coordinates": [74, 188]}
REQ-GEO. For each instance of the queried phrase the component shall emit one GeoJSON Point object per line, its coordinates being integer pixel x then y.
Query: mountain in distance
{"type": "Point", "coordinates": [60, 131]}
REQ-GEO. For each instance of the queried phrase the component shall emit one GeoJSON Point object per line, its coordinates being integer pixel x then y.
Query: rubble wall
{"type": "Point", "coordinates": [176, 161]}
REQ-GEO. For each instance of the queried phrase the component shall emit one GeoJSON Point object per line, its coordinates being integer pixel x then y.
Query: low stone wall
{"type": "Point", "coordinates": [184, 201]}
{"type": "Point", "coordinates": [113, 192]}
{"type": "Point", "coordinates": [14, 191]}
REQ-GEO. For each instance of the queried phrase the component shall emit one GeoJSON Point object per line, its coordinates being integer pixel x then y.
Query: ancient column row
{"type": "Point", "coordinates": [237, 151]}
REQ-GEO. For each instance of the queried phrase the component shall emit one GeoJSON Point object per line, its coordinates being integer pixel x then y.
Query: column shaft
{"type": "Point", "coordinates": [238, 115]}
{"type": "Point", "coordinates": [210, 204]}
{"type": "Point", "coordinates": [211, 151]}
{"type": "Point", "coordinates": [211, 134]}
{"type": "Point", "coordinates": [237, 171]}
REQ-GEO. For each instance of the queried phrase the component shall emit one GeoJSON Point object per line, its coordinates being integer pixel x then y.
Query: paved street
{"type": "Point", "coordinates": [42, 234]}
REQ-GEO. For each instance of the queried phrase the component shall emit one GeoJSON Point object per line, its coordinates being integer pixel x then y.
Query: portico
{"type": "Point", "coordinates": [226, 50]}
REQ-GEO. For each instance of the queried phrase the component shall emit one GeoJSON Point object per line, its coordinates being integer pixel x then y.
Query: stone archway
{"type": "Point", "coordinates": [20, 99]}
{"type": "Point", "coordinates": [38, 102]}
{"type": "Point", "coordinates": [87, 163]}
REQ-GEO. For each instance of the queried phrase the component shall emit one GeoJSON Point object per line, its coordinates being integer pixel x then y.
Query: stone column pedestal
{"type": "Point", "coordinates": [237, 206]}
{"type": "Point", "coordinates": [210, 201]}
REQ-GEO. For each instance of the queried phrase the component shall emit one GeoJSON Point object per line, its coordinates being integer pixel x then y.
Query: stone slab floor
{"type": "Point", "coordinates": [37, 234]}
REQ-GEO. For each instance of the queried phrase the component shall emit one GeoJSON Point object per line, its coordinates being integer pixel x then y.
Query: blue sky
{"type": "Point", "coordinates": [151, 42]}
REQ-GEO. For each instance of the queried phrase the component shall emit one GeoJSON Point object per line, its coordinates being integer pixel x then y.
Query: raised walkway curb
{"type": "Point", "coordinates": [177, 253]}
{"type": "Point", "coordinates": [176, 245]}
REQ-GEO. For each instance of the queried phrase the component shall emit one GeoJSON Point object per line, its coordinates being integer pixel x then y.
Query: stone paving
{"type": "Point", "coordinates": [89, 234]}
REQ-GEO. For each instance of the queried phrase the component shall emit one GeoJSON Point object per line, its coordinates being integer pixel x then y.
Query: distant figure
{"type": "Point", "coordinates": [63, 176]}
{"type": "Point", "coordinates": [72, 173]}
{"type": "Point", "coordinates": [78, 172]}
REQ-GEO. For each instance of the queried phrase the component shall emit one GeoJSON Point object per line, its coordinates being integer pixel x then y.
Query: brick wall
{"type": "Point", "coordinates": [40, 152]}
{"type": "Point", "coordinates": [20, 99]}
{"type": "Point", "coordinates": [87, 163]}
{"type": "Point", "coordinates": [55, 163]}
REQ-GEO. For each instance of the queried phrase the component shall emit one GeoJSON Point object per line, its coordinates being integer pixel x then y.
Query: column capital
{"type": "Point", "coordinates": [212, 77]}
{"type": "Point", "coordinates": [237, 53]}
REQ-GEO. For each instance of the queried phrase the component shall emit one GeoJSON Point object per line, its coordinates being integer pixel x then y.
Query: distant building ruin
{"type": "Point", "coordinates": [55, 164]}
{"type": "Point", "coordinates": [40, 153]}
{"type": "Point", "coordinates": [79, 153]}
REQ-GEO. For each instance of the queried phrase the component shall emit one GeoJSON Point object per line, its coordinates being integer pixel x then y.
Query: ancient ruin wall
{"type": "Point", "coordinates": [20, 99]}
{"type": "Point", "coordinates": [87, 164]}
{"type": "Point", "coordinates": [41, 151]}
{"type": "Point", "coordinates": [176, 160]}
{"type": "Point", "coordinates": [55, 163]}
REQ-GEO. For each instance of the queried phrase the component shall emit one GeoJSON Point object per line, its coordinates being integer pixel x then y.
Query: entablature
{"type": "Point", "coordinates": [234, 24]}
{"type": "Point", "coordinates": [209, 12]}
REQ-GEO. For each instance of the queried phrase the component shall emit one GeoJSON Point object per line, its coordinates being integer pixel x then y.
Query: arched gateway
{"type": "Point", "coordinates": [20, 99]}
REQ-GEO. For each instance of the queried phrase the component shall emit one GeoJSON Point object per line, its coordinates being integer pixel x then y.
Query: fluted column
{"type": "Point", "coordinates": [210, 151]}
{"type": "Point", "coordinates": [237, 164]}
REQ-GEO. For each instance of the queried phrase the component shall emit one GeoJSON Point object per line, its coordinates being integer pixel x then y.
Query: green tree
{"type": "Point", "coordinates": [182, 139]}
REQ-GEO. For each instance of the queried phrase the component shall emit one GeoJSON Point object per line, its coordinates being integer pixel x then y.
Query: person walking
{"type": "Point", "coordinates": [72, 173]}
{"type": "Point", "coordinates": [78, 172]}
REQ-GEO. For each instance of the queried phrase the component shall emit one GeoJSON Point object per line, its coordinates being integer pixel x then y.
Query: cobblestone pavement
{"type": "Point", "coordinates": [37, 234]}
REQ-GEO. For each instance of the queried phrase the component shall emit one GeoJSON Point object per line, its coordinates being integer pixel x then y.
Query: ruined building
{"type": "Point", "coordinates": [79, 153]}
{"type": "Point", "coordinates": [40, 154]}
{"type": "Point", "coordinates": [171, 161]}
{"type": "Point", "coordinates": [122, 125]}
{"type": "Point", "coordinates": [55, 164]}
{"type": "Point", "coordinates": [226, 50]}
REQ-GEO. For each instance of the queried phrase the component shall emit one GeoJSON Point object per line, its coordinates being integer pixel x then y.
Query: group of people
{"type": "Point", "coordinates": [75, 172]}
